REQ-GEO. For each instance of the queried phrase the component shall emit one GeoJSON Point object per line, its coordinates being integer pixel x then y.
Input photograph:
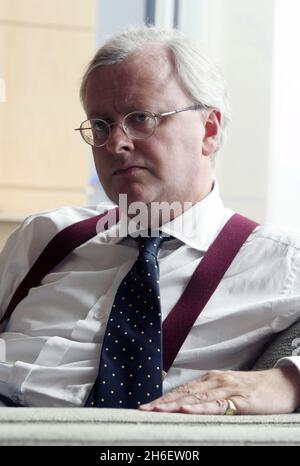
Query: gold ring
{"type": "Point", "coordinates": [231, 408]}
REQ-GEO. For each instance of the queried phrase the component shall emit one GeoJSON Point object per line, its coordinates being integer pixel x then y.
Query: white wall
{"type": "Point", "coordinates": [114, 16]}
{"type": "Point", "coordinates": [257, 46]}
{"type": "Point", "coordinates": [164, 13]}
{"type": "Point", "coordinates": [245, 52]}
{"type": "Point", "coordinates": [239, 36]}
{"type": "Point", "coordinates": [284, 167]}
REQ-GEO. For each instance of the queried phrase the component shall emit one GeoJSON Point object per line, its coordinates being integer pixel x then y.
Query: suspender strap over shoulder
{"type": "Point", "coordinates": [202, 285]}
{"type": "Point", "coordinates": [57, 249]}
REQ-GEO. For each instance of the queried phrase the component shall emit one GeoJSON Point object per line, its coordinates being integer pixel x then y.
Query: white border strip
{"type": "Point", "coordinates": [2, 90]}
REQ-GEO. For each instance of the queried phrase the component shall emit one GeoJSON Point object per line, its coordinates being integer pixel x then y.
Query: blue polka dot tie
{"type": "Point", "coordinates": [130, 370]}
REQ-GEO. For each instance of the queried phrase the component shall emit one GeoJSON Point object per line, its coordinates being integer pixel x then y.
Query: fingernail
{"type": "Point", "coordinates": [146, 406]}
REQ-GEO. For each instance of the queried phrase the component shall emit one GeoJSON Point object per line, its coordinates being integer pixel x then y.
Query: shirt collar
{"type": "Point", "coordinates": [196, 227]}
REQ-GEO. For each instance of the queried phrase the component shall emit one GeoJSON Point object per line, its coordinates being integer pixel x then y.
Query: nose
{"type": "Point", "coordinates": [118, 141]}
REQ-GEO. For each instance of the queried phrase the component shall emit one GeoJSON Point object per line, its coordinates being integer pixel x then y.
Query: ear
{"type": "Point", "coordinates": [212, 125]}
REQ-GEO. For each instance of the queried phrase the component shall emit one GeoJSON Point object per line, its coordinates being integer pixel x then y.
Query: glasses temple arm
{"type": "Point", "coordinates": [193, 107]}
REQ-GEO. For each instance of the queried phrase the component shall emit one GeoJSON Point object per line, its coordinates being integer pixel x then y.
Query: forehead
{"type": "Point", "coordinates": [143, 81]}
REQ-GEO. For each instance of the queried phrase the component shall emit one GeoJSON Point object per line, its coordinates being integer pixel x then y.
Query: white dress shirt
{"type": "Point", "coordinates": [50, 349]}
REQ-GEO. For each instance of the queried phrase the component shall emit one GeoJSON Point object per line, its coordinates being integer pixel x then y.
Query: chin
{"type": "Point", "coordinates": [132, 198]}
{"type": "Point", "coordinates": [135, 194]}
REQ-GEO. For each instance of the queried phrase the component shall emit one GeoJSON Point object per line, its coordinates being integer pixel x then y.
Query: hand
{"type": "Point", "coordinates": [275, 391]}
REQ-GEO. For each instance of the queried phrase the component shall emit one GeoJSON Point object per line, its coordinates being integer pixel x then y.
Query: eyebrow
{"type": "Point", "coordinates": [101, 116]}
{"type": "Point", "coordinates": [129, 109]}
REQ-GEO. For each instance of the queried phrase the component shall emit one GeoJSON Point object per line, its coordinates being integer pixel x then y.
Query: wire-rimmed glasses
{"type": "Point", "coordinates": [136, 125]}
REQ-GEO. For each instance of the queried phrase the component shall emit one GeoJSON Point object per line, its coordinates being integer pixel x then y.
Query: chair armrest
{"type": "Point", "coordinates": [280, 347]}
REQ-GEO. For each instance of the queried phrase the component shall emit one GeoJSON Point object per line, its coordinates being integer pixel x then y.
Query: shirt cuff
{"type": "Point", "coordinates": [289, 362]}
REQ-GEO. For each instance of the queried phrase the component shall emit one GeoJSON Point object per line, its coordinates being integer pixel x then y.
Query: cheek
{"type": "Point", "coordinates": [99, 157]}
{"type": "Point", "coordinates": [164, 159]}
{"type": "Point", "coordinates": [152, 152]}
{"type": "Point", "coordinates": [100, 167]}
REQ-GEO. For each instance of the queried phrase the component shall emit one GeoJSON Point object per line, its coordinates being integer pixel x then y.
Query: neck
{"type": "Point", "coordinates": [156, 214]}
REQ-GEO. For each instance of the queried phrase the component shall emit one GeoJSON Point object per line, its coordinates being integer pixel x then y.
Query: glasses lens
{"type": "Point", "coordinates": [95, 132]}
{"type": "Point", "coordinates": [139, 125]}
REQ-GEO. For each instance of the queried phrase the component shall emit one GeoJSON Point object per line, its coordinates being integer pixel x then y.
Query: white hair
{"type": "Point", "coordinates": [201, 79]}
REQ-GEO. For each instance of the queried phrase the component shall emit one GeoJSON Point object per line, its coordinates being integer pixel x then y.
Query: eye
{"type": "Point", "coordinates": [99, 125]}
{"type": "Point", "coordinates": [139, 125]}
{"type": "Point", "coordinates": [139, 120]}
{"type": "Point", "coordinates": [141, 117]}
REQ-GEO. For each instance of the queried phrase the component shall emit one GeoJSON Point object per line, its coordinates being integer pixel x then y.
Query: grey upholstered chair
{"type": "Point", "coordinates": [284, 344]}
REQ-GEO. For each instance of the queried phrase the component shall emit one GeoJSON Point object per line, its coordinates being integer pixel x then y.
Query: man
{"type": "Point", "coordinates": [156, 115]}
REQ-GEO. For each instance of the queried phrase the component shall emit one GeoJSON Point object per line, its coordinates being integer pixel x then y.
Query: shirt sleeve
{"type": "Point", "coordinates": [289, 361]}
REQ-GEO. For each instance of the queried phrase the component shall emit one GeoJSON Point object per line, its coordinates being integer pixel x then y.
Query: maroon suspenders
{"type": "Point", "coordinates": [59, 247]}
{"type": "Point", "coordinates": [202, 285]}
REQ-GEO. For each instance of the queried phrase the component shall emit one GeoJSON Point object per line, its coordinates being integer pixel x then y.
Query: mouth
{"type": "Point", "coordinates": [134, 170]}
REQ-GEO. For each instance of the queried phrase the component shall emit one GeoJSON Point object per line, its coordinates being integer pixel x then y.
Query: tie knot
{"type": "Point", "coordinates": [150, 244]}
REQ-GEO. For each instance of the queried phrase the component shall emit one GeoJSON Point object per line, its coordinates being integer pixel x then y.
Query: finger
{"type": "Point", "coordinates": [167, 403]}
{"type": "Point", "coordinates": [200, 386]}
{"type": "Point", "coordinates": [217, 407]}
{"type": "Point", "coordinates": [169, 398]}
{"type": "Point", "coordinates": [173, 398]}
{"type": "Point", "coordinates": [176, 404]}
